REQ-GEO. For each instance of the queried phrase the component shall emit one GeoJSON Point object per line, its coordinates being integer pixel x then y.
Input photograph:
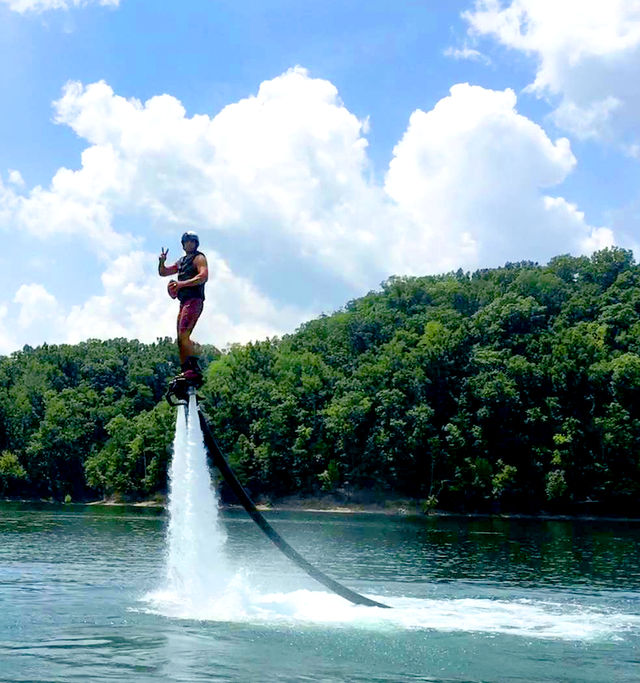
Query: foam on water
{"type": "Point", "coordinates": [527, 618]}
{"type": "Point", "coordinates": [198, 584]}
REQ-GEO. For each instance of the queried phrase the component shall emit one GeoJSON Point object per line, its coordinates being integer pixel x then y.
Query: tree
{"type": "Point", "coordinates": [516, 387]}
{"type": "Point", "coordinates": [12, 474]}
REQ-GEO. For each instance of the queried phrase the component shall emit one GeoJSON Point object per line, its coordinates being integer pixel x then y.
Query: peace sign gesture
{"type": "Point", "coordinates": [163, 254]}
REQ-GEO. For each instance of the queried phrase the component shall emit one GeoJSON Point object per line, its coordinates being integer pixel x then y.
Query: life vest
{"type": "Point", "coordinates": [187, 270]}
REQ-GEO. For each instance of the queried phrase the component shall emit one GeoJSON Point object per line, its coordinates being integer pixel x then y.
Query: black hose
{"type": "Point", "coordinates": [218, 459]}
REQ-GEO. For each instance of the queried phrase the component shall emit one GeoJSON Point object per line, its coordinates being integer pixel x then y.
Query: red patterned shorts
{"type": "Point", "coordinates": [188, 315]}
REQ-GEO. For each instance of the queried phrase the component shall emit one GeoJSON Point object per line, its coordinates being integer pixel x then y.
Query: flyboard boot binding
{"type": "Point", "coordinates": [187, 381]}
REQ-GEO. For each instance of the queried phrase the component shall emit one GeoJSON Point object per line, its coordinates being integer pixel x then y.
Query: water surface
{"type": "Point", "coordinates": [81, 596]}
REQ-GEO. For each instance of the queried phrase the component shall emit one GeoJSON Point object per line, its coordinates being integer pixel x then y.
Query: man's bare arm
{"type": "Point", "coordinates": [164, 270]}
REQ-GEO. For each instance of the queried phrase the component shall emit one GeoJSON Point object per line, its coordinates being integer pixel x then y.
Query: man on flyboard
{"type": "Point", "coordinates": [192, 273]}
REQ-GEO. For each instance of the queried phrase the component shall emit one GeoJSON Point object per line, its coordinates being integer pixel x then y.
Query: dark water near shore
{"type": "Point", "coordinates": [474, 600]}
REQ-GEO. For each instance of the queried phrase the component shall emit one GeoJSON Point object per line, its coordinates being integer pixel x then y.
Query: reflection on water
{"type": "Point", "coordinates": [516, 551]}
{"type": "Point", "coordinates": [474, 599]}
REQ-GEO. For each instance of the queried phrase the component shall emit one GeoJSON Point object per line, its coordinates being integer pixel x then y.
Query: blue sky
{"type": "Point", "coordinates": [318, 148]}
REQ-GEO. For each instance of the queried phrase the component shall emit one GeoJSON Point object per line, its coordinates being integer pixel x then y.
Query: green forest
{"type": "Point", "coordinates": [507, 389]}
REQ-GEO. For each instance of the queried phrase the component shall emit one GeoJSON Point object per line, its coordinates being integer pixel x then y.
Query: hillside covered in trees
{"type": "Point", "coordinates": [515, 388]}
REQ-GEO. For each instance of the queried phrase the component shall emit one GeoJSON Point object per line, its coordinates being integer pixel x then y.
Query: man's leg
{"type": "Point", "coordinates": [190, 311]}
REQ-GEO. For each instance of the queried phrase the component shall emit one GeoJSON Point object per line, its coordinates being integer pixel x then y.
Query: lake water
{"type": "Point", "coordinates": [81, 599]}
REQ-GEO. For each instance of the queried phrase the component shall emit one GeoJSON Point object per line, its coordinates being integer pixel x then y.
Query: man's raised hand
{"type": "Point", "coordinates": [163, 254]}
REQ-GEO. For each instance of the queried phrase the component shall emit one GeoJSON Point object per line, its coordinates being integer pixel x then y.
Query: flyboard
{"type": "Point", "coordinates": [178, 394]}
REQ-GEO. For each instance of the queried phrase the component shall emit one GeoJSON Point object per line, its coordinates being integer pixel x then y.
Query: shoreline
{"type": "Point", "coordinates": [402, 508]}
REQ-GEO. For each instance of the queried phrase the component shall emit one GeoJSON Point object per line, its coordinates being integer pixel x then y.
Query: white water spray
{"type": "Point", "coordinates": [196, 572]}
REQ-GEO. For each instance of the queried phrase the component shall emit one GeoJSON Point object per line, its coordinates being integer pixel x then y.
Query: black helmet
{"type": "Point", "coordinates": [190, 235]}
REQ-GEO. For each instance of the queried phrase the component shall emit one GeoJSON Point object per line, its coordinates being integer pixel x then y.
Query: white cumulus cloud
{"type": "Point", "coordinates": [287, 166]}
{"type": "Point", "coordinates": [39, 318]}
{"type": "Point", "coordinates": [468, 53]}
{"type": "Point", "coordinates": [15, 178]}
{"type": "Point", "coordinates": [134, 303]}
{"type": "Point", "coordinates": [470, 173]}
{"type": "Point", "coordinates": [37, 6]}
{"type": "Point", "coordinates": [588, 57]}
{"type": "Point", "coordinates": [280, 188]}
{"type": "Point", "coordinates": [8, 342]}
